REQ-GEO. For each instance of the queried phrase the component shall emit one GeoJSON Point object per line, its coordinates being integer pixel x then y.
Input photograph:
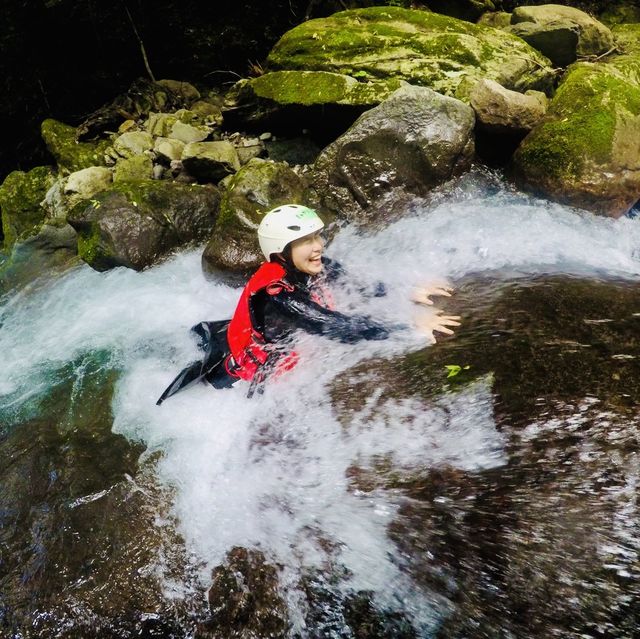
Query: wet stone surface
{"type": "Point", "coordinates": [545, 544]}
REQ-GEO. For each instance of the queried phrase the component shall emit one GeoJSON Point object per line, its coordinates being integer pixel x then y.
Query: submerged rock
{"type": "Point", "coordinates": [258, 187]}
{"type": "Point", "coordinates": [244, 599]}
{"type": "Point", "coordinates": [410, 143]}
{"type": "Point", "coordinates": [585, 151]}
{"type": "Point", "coordinates": [136, 223]}
{"type": "Point", "coordinates": [21, 195]}
{"type": "Point", "coordinates": [80, 521]}
{"type": "Point", "coordinates": [554, 517]}
{"type": "Point", "coordinates": [417, 46]}
{"type": "Point", "coordinates": [71, 155]}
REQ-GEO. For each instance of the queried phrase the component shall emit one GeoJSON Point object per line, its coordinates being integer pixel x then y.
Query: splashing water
{"type": "Point", "coordinates": [272, 472]}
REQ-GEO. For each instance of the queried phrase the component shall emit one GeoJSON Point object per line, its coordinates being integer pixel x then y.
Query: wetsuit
{"type": "Point", "coordinates": [304, 305]}
{"type": "Point", "coordinates": [275, 313]}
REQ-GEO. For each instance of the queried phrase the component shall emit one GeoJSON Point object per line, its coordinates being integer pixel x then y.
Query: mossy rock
{"type": "Point", "coordinates": [69, 154]}
{"type": "Point", "coordinates": [585, 151]}
{"type": "Point", "coordinates": [308, 88]}
{"type": "Point", "coordinates": [255, 189]}
{"type": "Point", "coordinates": [290, 100]}
{"type": "Point", "coordinates": [138, 167]}
{"type": "Point", "coordinates": [20, 197]}
{"type": "Point", "coordinates": [422, 48]}
{"type": "Point", "coordinates": [136, 223]}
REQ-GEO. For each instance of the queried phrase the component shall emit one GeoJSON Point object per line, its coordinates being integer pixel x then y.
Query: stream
{"type": "Point", "coordinates": [484, 486]}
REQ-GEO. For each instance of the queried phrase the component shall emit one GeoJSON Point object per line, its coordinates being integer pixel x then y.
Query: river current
{"type": "Point", "coordinates": [275, 472]}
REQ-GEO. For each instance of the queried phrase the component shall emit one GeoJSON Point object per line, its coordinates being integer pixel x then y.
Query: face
{"type": "Point", "coordinates": [306, 253]}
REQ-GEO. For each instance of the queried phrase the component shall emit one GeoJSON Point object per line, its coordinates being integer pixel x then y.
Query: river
{"type": "Point", "coordinates": [446, 504]}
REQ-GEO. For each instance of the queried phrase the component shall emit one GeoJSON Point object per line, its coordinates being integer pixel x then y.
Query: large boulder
{"type": "Point", "coordinates": [410, 143]}
{"type": "Point", "coordinates": [562, 33]}
{"type": "Point", "coordinates": [20, 197]}
{"type": "Point", "coordinates": [71, 155]}
{"type": "Point", "coordinates": [417, 46]}
{"type": "Point", "coordinates": [258, 187]}
{"type": "Point", "coordinates": [310, 98]}
{"type": "Point", "coordinates": [134, 224]}
{"type": "Point", "coordinates": [586, 151]}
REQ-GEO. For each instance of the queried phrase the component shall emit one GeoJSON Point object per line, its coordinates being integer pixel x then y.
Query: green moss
{"type": "Point", "coordinates": [89, 247]}
{"type": "Point", "coordinates": [20, 197]}
{"type": "Point", "coordinates": [421, 47]}
{"type": "Point", "coordinates": [581, 123]}
{"type": "Point", "coordinates": [71, 155]}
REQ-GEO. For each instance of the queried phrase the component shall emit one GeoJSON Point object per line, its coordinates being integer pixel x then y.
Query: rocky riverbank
{"type": "Point", "coordinates": [414, 98]}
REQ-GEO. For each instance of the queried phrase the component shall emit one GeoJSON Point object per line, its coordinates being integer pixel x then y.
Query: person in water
{"type": "Point", "coordinates": [289, 291]}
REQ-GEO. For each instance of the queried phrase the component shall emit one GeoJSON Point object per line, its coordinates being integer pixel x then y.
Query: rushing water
{"type": "Point", "coordinates": [276, 473]}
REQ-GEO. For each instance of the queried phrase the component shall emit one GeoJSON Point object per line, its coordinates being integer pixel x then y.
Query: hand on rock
{"type": "Point", "coordinates": [421, 294]}
{"type": "Point", "coordinates": [436, 322]}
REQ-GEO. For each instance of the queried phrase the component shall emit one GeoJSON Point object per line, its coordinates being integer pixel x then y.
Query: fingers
{"type": "Point", "coordinates": [449, 320]}
{"type": "Point", "coordinates": [421, 295]}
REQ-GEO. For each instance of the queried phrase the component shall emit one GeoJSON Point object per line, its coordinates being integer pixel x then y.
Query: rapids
{"type": "Point", "coordinates": [276, 473]}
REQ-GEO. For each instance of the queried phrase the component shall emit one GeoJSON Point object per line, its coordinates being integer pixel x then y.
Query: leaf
{"type": "Point", "coordinates": [454, 369]}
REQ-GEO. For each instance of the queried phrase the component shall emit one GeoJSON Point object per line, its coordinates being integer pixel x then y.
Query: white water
{"type": "Point", "coordinates": [271, 472]}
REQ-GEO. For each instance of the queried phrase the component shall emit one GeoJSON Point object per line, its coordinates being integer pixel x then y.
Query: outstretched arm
{"type": "Point", "coordinates": [288, 311]}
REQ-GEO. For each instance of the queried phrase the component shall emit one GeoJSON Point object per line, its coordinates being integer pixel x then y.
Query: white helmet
{"type": "Point", "coordinates": [285, 224]}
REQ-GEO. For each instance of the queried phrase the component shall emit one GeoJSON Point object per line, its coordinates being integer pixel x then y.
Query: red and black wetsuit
{"type": "Point", "coordinates": [280, 302]}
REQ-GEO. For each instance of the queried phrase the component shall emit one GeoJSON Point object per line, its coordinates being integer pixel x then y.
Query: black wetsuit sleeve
{"type": "Point", "coordinates": [288, 311]}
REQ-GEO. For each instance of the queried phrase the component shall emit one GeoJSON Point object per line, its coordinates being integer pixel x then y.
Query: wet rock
{"type": "Point", "coordinates": [141, 98]}
{"type": "Point", "coordinates": [136, 223]}
{"type": "Point", "coordinates": [258, 187]}
{"type": "Point", "coordinates": [80, 520]}
{"type": "Point", "coordinates": [69, 154]}
{"type": "Point", "coordinates": [584, 152]}
{"type": "Point", "coordinates": [210, 161]}
{"type": "Point", "coordinates": [410, 143]}
{"type": "Point", "coordinates": [561, 33]}
{"type": "Point", "coordinates": [83, 184]}
{"type": "Point", "coordinates": [138, 167]}
{"type": "Point", "coordinates": [244, 599]}
{"type": "Point", "coordinates": [553, 521]}
{"type": "Point", "coordinates": [21, 195]}
{"type": "Point", "coordinates": [133, 143]}
{"type": "Point", "coordinates": [373, 44]}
